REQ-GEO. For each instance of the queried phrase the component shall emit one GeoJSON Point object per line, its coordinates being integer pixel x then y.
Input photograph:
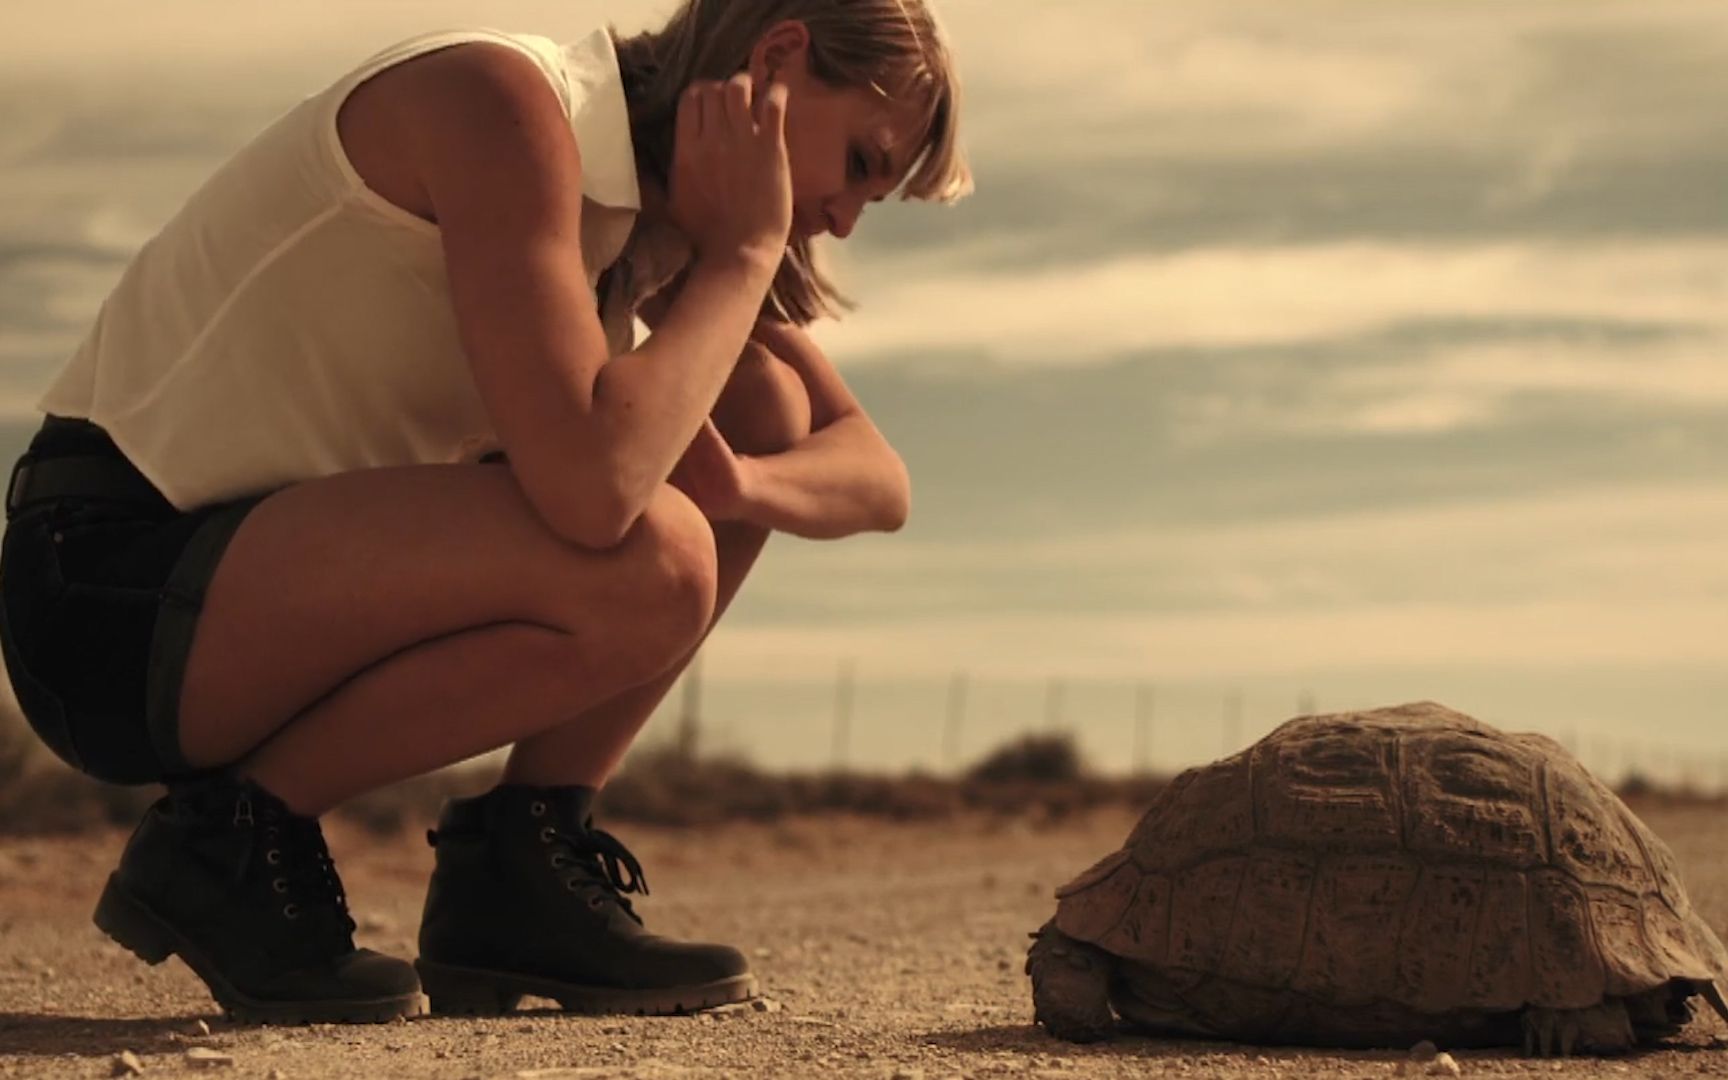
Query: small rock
{"type": "Point", "coordinates": [376, 924]}
{"type": "Point", "coordinates": [762, 952]}
{"type": "Point", "coordinates": [1444, 1065]}
{"type": "Point", "coordinates": [278, 1074]}
{"type": "Point", "coordinates": [1423, 1052]}
{"type": "Point", "coordinates": [767, 1005]}
{"type": "Point", "coordinates": [199, 1027]}
{"type": "Point", "coordinates": [907, 1074]}
{"type": "Point", "coordinates": [730, 1009]}
{"type": "Point", "coordinates": [126, 1063]}
{"type": "Point", "coordinates": [203, 1057]}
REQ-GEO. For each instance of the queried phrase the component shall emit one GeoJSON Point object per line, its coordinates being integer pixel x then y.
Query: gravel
{"type": "Point", "coordinates": [885, 951]}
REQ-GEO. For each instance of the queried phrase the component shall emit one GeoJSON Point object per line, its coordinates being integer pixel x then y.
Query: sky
{"type": "Point", "coordinates": [1290, 355]}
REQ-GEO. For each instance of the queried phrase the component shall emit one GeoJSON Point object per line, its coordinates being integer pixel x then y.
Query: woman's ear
{"type": "Point", "coordinates": [782, 53]}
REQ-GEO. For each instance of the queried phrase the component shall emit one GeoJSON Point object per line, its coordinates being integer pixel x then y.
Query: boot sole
{"type": "Point", "coordinates": [477, 992]}
{"type": "Point", "coordinates": [147, 935]}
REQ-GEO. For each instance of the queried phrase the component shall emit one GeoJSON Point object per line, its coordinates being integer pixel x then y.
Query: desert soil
{"type": "Point", "coordinates": [884, 950]}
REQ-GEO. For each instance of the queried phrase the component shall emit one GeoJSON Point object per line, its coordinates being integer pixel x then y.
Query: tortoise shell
{"type": "Point", "coordinates": [1406, 860]}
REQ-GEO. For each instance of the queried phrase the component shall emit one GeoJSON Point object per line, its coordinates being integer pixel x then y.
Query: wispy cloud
{"type": "Point", "coordinates": [1219, 296]}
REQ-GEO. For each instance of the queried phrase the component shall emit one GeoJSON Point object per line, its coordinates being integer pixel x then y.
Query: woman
{"type": "Point", "coordinates": [360, 473]}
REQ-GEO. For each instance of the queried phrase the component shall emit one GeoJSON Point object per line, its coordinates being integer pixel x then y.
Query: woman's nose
{"type": "Point", "coordinates": [843, 217]}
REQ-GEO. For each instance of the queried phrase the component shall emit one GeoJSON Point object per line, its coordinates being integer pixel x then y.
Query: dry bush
{"type": "Point", "coordinates": [1038, 758]}
{"type": "Point", "coordinates": [47, 797]}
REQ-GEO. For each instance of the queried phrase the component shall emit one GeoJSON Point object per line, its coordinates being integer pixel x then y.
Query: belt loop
{"type": "Point", "coordinates": [18, 468]}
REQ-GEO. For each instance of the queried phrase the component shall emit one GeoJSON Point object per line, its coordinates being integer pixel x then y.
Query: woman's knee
{"type": "Point", "coordinates": [764, 408]}
{"type": "Point", "coordinates": [676, 572]}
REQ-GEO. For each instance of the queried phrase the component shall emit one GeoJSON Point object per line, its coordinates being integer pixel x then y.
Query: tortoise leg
{"type": "Point", "coordinates": [1070, 986]}
{"type": "Point", "coordinates": [1602, 1029]}
{"type": "Point", "coordinates": [1713, 994]}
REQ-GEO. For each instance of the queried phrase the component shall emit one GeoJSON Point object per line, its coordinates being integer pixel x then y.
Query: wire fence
{"type": "Point", "coordinates": [1122, 726]}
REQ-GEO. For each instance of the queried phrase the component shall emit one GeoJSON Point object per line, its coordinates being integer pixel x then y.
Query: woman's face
{"type": "Point", "coordinates": [846, 146]}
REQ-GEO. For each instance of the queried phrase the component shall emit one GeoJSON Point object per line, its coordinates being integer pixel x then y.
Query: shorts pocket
{"type": "Point", "coordinates": [30, 589]}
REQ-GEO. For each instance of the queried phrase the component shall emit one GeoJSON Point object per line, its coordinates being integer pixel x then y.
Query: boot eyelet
{"type": "Point", "coordinates": [596, 901]}
{"type": "Point", "coordinates": [559, 862]}
{"type": "Point", "coordinates": [273, 857]}
{"type": "Point", "coordinates": [291, 911]}
{"type": "Point", "coordinates": [280, 884]}
{"type": "Point", "coordinates": [538, 809]}
{"type": "Point", "coordinates": [546, 835]}
{"type": "Point", "coordinates": [572, 884]}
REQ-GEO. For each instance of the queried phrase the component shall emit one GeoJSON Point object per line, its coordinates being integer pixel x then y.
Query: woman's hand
{"type": "Point", "coordinates": [730, 190]}
{"type": "Point", "coordinates": [717, 480]}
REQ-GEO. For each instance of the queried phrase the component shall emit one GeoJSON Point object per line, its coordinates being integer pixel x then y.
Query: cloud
{"type": "Point", "coordinates": [1233, 296]}
{"type": "Point", "coordinates": [1622, 545]}
{"type": "Point", "coordinates": [1229, 644]}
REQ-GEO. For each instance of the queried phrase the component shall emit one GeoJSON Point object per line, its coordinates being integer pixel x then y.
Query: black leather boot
{"type": "Point", "coordinates": [225, 875]}
{"type": "Point", "coordinates": [527, 898]}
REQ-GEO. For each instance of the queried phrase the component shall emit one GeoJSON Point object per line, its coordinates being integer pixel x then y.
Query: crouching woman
{"type": "Point", "coordinates": [360, 473]}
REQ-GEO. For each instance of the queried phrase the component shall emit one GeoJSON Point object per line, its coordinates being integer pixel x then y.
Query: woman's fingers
{"type": "Point", "coordinates": [771, 115]}
{"type": "Point", "coordinates": [689, 122]}
{"type": "Point", "coordinates": [736, 92]}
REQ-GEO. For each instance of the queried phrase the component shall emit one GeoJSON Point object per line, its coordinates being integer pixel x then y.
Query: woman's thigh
{"type": "Point", "coordinates": [326, 578]}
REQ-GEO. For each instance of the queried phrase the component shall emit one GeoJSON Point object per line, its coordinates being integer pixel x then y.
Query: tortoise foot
{"type": "Point", "coordinates": [1070, 987]}
{"type": "Point", "coordinates": [1599, 1029]}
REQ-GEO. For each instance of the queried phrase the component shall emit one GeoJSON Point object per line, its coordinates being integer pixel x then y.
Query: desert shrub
{"type": "Point", "coordinates": [17, 745]}
{"type": "Point", "coordinates": [1039, 758]}
{"type": "Point", "coordinates": [414, 803]}
{"type": "Point", "coordinates": [47, 797]}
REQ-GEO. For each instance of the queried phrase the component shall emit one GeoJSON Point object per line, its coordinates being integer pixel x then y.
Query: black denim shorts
{"type": "Point", "coordinates": [99, 599]}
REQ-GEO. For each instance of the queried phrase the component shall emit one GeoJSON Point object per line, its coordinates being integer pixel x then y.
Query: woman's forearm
{"type": "Point", "coordinates": [653, 399]}
{"type": "Point", "coordinates": [837, 482]}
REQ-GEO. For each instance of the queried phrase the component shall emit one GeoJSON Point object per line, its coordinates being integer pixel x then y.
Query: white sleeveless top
{"type": "Point", "coordinates": [289, 322]}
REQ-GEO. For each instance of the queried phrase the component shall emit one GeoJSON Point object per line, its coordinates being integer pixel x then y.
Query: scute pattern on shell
{"type": "Point", "coordinates": [1409, 856]}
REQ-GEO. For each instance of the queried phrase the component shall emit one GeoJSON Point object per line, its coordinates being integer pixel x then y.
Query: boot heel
{"type": "Point", "coordinates": [122, 919]}
{"type": "Point", "coordinates": [465, 993]}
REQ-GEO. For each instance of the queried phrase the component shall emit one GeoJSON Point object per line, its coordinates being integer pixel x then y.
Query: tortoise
{"type": "Point", "coordinates": [1374, 878]}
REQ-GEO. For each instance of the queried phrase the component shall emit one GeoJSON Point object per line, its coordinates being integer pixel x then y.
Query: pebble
{"type": "Point", "coordinates": [278, 1074]}
{"type": "Point", "coordinates": [205, 1058]}
{"type": "Point", "coordinates": [907, 1074]}
{"type": "Point", "coordinates": [767, 1005]}
{"type": "Point", "coordinates": [126, 1063]}
{"type": "Point", "coordinates": [1444, 1065]}
{"type": "Point", "coordinates": [199, 1027]}
{"type": "Point", "coordinates": [1424, 1052]}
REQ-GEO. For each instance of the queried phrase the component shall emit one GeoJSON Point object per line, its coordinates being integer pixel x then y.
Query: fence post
{"type": "Point", "coordinates": [843, 715]}
{"type": "Point", "coordinates": [690, 723]}
{"type": "Point", "coordinates": [956, 716]}
{"type": "Point", "coordinates": [1143, 706]}
{"type": "Point", "coordinates": [1053, 706]}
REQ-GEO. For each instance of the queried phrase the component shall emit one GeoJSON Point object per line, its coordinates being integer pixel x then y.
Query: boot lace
{"type": "Point", "coordinates": [598, 863]}
{"type": "Point", "coordinates": [301, 874]}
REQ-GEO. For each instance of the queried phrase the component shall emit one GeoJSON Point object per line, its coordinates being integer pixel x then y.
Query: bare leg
{"type": "Point", "coordinates": [374, 625]}
{"type": "Point", "coordinates": [763, 410]}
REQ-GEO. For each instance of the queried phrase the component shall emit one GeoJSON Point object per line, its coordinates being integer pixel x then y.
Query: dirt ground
{"type": "Point", "coordinates": [885, 951]}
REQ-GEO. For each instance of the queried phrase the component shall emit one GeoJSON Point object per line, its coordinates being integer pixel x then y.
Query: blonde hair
{"type": "Point", "coordinates": [893, 47]}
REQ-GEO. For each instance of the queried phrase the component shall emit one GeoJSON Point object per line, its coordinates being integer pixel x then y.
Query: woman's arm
{"type": "Point", "coordinates": [590, 439]}
{"type": "Point", "coordinates": [845, 478]}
